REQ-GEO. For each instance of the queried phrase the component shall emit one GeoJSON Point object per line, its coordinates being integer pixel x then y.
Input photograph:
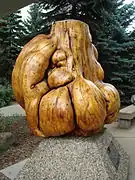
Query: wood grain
{"type": "Point", "coordinates": [58, 80]}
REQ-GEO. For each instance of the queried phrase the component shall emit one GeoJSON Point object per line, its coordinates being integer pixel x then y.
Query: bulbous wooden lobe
{"type": "Point", "coordinates": [56, 115]}
{"type": "Point", "coordinates": [89, 105]}
{"type": "Point", "coordinates": [59, 77]}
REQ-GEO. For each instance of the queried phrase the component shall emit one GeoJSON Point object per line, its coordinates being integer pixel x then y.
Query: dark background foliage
{"type": "Point", "coordinates": [108, 21]}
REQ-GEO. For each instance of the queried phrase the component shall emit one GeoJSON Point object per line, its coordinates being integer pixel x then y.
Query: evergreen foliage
{"type": "Point", "coordinates": [4, 48]}
{"type": "Point", "coordinates": [34, 23]}
{"type": "Point", "coordinates": [116, 50]}
{"type": "Point", "coordinates": [11, 33]}
{"type": "Point", "coordinates": [108, 21]}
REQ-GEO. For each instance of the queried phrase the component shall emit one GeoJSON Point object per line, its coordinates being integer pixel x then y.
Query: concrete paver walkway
{"type": "Point", "coordinates": [12, 171]}
{"type": "Point", "coordinates": [15, 109]}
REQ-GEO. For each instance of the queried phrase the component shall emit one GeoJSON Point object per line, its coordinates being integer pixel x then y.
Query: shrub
{"type": "Point", "coordinates": [6, 94]}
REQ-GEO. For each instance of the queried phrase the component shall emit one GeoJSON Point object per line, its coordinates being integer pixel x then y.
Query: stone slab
{"type": "Point", "coordinates": [12, 110]}
{"type": "Point", "coordinates": [127, 112]}
{"type": "Point", "coordinates": [12, 171]}
{"type": "Point", "coordinates": [99, 157]}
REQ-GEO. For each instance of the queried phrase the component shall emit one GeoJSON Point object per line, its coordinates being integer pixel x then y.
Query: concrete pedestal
{"type": "Point", "coordinates": [98, 157]}
{"type": "Point", "coordinates": [124, 123]}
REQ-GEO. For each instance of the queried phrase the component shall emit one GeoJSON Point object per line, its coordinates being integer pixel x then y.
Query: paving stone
{"type": "Point", "coordinates": [15, 109]}
{"type": "Point", "coordinates": [12, 171]}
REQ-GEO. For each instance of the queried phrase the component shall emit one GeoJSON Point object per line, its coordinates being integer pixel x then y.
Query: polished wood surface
{"type": "Point", "coordinates": [57, 79]}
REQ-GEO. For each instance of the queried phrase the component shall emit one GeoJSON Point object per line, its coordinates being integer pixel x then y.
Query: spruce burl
{"type": "Point", "coordinates": [58, 81]}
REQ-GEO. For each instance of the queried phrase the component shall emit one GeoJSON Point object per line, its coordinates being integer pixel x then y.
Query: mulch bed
{"type": "Point", "coordinates": [24, 144]}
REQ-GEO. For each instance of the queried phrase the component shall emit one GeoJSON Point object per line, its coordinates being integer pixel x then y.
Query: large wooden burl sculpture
{"type": "Point", "coordinates": [58, 81]}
